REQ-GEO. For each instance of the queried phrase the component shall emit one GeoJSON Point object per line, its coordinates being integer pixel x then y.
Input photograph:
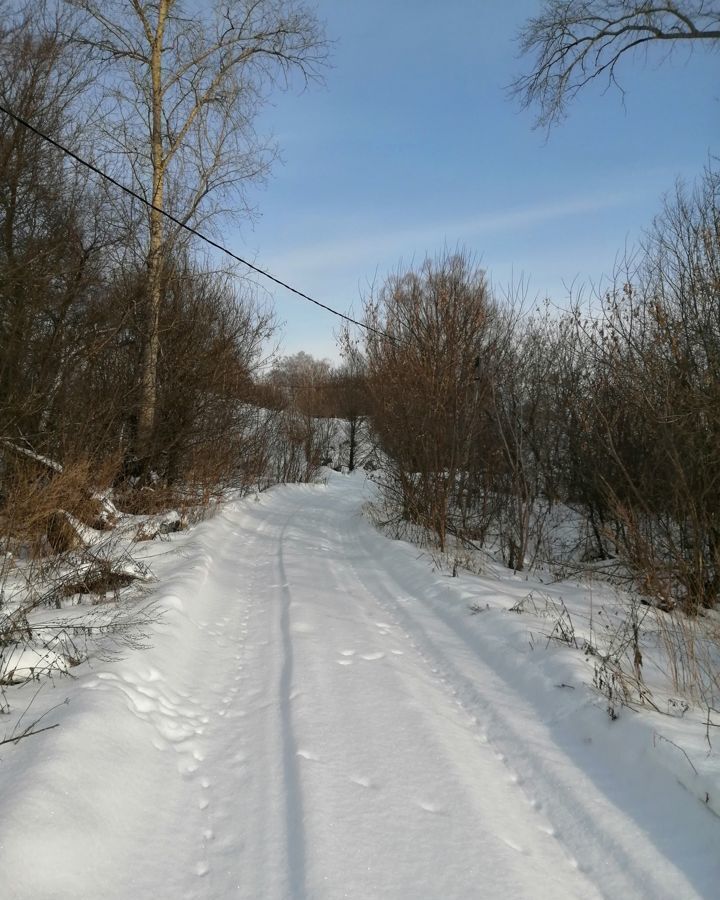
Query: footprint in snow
{"type": "Point", "coordinates": [344, 662]}
{"type": "Point", "coordinates": [362, 781]}
{"type": "Point", "coordinates": [513, 846]}
{"type": "Point", "coordinates": [370, 657]}
{"type": "Point", "coordinates": [201, 869]}
{"type": "Point", "coordinates": [346, 652]}
{"type": "Point", "coordinates": [430, 807]}
{"type": "Point", "coordinates": [306, 754]}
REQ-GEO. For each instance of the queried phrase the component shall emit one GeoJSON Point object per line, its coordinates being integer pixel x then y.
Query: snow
{"type": "Point", "coordinates": [20, 664]}
{"type": "Point", "coordinates": [321, 716]}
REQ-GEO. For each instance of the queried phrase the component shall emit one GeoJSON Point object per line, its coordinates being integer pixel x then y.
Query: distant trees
{"type": "Point", "coordinates": [350, 401]}
{"type": "Point", "coordinates": [572, 42]}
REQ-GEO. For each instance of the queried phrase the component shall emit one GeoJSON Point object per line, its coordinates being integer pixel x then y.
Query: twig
{"type": "Point", "coordinates": [708, 724]}
{"type": "Point", "coordinates": [660, 737]}
{"type": "Point", "coordinates": [19, 737]}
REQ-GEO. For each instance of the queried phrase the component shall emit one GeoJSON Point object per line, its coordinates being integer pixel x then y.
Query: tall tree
{"type": "Point", "coordinates": [48, 245]}
{"type": "Point", "coordinates": [576, 41]}
{"type": "Point", "coordinates": [183, 85]}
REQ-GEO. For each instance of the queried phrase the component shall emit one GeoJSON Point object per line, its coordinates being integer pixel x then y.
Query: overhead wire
{"type": "Point", "coordinates": [198, 234]}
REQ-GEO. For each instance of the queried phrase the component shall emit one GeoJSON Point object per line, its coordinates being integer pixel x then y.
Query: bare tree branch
{"type": "Point", "coordinates": [573, 42]}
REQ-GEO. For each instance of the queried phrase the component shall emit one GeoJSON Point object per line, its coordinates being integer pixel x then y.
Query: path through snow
{"type": "Point", "coordinates": [319, 717]}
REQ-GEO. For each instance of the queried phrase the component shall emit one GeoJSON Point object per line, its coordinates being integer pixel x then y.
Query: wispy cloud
{"type": "Point", "coordinates": [360, 249]}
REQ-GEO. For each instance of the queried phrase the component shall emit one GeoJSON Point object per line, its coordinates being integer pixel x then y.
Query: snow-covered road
{"type": "Point", "coordinates": [320, 717]}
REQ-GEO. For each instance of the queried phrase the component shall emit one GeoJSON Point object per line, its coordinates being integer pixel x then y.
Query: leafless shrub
{"type": "Point", "coordinates": [428, 363]}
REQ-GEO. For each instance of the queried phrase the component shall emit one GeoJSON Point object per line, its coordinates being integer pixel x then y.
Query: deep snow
{"type": "Point", "coordinates": [321, 717]}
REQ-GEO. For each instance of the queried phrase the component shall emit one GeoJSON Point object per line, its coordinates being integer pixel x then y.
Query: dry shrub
{"type": "Point", "coordinates": [36, 497]}
{"type": "Point", "coordinates": [430, 344]}
{"type": "Point", "coordinates": [691, 648]}
{"type": "Point", "coordinates": [99, 579]}
{"type": "Point", "coordinates": [147, 500]}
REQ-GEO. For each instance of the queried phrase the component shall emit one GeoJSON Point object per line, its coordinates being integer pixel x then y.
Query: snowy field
{"type": "Point", "coordinates": [321, 715]}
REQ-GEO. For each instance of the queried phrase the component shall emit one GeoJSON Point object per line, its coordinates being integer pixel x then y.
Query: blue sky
{"type": "Point", "coordinates": [412, 145]}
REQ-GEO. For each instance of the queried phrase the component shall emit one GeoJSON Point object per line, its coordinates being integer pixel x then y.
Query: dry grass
{"type": "Point", "coordinates": [34, 499]}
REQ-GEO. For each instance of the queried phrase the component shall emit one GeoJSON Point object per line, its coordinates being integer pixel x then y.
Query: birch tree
{"type": "Point", "coordinates": [182, 88]}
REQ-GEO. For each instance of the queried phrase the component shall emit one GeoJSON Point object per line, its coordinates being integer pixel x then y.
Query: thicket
{"type": "Point", "coordinates": [80, 301]}
{"type": "Point", "coordinates": [488, 417]}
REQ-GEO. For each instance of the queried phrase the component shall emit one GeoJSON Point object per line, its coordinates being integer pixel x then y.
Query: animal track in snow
{"type": "Point", "coordinates": [370, 657]}
{"type": "Point", "coordinates": [344, 662]}
{"type": "Point", "coordinates": [346, 652]}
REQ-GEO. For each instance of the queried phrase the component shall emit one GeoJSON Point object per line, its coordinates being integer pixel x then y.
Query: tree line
{"type": "Point", "coordinates": [489, 414]}
{"type": "Point", "coordinates": [124, 348]}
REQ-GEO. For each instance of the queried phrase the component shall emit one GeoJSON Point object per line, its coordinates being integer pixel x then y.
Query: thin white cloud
{"type": "Point", "coordinates": [378, 247]}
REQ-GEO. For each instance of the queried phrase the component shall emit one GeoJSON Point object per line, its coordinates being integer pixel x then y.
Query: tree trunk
{"type": "Point", "coordinates": [147, 406]}
{"type": "Point", "coordinates": [353, 441]}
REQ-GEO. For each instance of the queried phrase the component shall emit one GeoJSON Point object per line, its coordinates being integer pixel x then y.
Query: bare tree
{"type": "Point", "coordinates": [429, 358]}
{"type": "Point", "coordinates": [350, 401]}
{"type": "Point", "coordinates": [576, 41]}
{"type": "Point", "coordinates": [182, 89]}
{"type": "Point", "coordinates": [50, 237]}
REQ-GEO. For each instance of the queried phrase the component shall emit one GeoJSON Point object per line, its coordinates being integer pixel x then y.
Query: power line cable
{"type": "Point", "coordinates": [189, 228]}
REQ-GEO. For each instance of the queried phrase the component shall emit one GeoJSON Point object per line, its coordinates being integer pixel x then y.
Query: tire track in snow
{"type": "Point", "coordinates": [590, 837]}
{"type": "Point", "coordinates": [293, 793]}
{"type": "Point", "coordinates": [377, 592]}
{"type": "Point", "coordinates": [410, 749]}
